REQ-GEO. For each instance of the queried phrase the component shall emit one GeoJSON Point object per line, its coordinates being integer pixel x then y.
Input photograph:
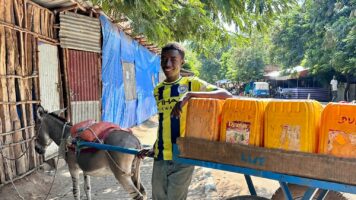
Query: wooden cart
{"type": "Point", "coordinates": [319, 173]}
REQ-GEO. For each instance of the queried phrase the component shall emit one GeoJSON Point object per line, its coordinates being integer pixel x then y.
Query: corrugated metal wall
{"type": "Point", "coordinates": [84, 85]}
{"type": "Point", "coordinates": [49, 76]}
{"type": "Point", "coordinates": [79, 32]}
{"type": "Point", "coordinates": [49, 84]}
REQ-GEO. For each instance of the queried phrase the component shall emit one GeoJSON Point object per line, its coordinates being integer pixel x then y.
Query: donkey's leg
{"type": "Point", "coordinates": [74, 172]}
{"type": "Point", "coordinates": [75, 180]}
{"type": "Point", "coordinates": [126, 182]}
{"type": "Point", "coordinates": [87, 186]}
{"type": "Point", "coordinates": [121, 165]}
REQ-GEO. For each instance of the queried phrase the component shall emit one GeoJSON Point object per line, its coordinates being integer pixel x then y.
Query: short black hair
{"type": "Point", "coordinates": [174, 46]}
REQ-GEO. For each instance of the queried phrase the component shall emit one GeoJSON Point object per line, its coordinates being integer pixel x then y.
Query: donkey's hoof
{"type": "Point", "coordinates": [141, 197]}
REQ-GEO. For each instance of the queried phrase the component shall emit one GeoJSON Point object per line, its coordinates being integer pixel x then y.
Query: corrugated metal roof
{"type": "Point", "coordinates": [79, 32]}
{"type": "Point", "coordinates": [51, 4]}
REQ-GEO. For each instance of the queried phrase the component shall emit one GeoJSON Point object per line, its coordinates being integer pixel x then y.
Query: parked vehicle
{"type": "Point", "coordinates": [260, 89]}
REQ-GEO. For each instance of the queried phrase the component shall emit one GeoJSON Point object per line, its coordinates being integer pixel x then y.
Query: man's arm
{"type": "Point", "coordinates": [216, 94]}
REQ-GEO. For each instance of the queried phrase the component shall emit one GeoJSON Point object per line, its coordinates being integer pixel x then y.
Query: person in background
{"type": "Point", "coordinates": [333, 84]}
{"type": "Point", "coordinates": [170, 180]}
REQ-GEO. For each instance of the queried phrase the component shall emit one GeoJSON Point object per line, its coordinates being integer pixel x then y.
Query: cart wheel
{"type": "Point", "coordinates": [297, 192]}
{"type": "Point", "coordinates": [247, 197]}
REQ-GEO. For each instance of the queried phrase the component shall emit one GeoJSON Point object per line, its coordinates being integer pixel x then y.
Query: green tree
{"type": "Point", "coordinates": [246, 62]}
{"type": "Point", "coordinates": [288, 40]}
{"type": "Point", "coordinates": [319, 35]}
{"type": "Point", "coordinates": [210, 69]}
{"type": "Point", "coordinates": [201, 21]}
{"type": "Point", "coordinates": [192, 63]}
{"type": "Point", "coordinates": [332, 39]}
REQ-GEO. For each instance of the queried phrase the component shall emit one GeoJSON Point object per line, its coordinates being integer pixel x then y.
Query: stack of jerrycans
{"type": "Point", "coordinates": [338, 130]}
{"type": "Point", "coordinates": [292, 125]}
{"type": "Point", "coordinates": [242, 121]}
{"type": "Point", "coordinates": [203, 118]}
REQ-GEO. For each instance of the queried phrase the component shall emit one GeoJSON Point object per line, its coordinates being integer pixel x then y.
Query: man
{"type": "Point", "coordinates": [170, 180]}
{"type": "Point", "coordinates": [333, 84]}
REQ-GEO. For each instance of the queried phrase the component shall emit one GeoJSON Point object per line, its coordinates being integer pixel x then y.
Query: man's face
{"type": "Point", "coordinates": [171, 62]}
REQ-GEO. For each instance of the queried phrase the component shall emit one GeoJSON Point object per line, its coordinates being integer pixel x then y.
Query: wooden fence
{"type": "Point", "coordinates": [22, 25]}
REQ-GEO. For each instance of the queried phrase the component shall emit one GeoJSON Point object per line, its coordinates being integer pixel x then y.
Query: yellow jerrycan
{"type": "Point", "coordinates": [203, 118]}
{"type": "Point", "coordinates": [292, 125]}
{"type": "Point", "coordinates": [242, 121]}
{"type": "Point", "coordinates": [338, 130]}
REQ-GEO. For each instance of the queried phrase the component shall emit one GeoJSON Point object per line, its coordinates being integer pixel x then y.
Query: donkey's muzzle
{"type": "Point", "coordinates": [39, 149]}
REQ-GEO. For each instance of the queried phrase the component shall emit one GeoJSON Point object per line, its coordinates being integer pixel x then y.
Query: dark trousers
{"type": "Point", "coordinates": [334, 95]}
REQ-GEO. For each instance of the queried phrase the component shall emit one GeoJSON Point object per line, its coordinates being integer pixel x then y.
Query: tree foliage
{"type": "Point", "coordinates": [287, 37]}
{"type": "Point", "coordinates": [211, 69]}
{"type": "Point", "coordinates": [201, 21]}
{"type": "Point", "coordinates": [246, 62]}
{"type": "Point", "coordinates": [192, 63]}
{"type": "Point", "coordinates": [320, 35]}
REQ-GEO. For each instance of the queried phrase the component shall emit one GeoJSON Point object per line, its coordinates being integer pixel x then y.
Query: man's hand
{"type": "Point", "coordinates": [177, 109]}
{"type": "Point", "coordinates": [147, 152]}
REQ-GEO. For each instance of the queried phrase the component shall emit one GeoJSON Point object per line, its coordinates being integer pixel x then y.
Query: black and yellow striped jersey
{"type": "Point", "coordinates": [170, 128]}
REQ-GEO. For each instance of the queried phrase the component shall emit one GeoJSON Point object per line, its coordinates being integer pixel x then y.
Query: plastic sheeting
{"type": "Point", "coordinates": [118, 48]}
{"type": "Point", "coordinates": [147, 69]}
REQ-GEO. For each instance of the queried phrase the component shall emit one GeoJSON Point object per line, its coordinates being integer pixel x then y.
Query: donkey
{"type": "Point", "coordinates": [125, 167]}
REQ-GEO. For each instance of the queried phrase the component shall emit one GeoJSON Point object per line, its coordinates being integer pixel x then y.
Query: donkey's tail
{"type": "Point", "coordinates": [136, 177]}
{"type": "Point", "coordinates": [137, 174]}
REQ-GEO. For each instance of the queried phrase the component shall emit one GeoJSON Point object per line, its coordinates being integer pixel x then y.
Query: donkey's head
{"type": "Point", "coordinates": [49, 124]}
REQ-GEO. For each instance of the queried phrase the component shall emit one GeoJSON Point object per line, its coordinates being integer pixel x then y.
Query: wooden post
{"type": "Point", "coordinates": [31, 59]}
{"type": "Point", "coordinates": [37, 20]}
{"type": "Point", "coordinates": [21, 86]}
{"type": "Point", "coordinates": [2, 10]}
{"type": "Point", "coordinates": [52, 30]}
{"type": "Point", "coordinates": [19, 12]}
{"type": "Point", "coordinates": [28, 57]}
{"type": "Point", "coordinates": [10, 95]}
{"type": "Point", "coordinates": [39, 159]}
{"type": "Point", "coordinates": [45, 23]}
{"type": "Point", "coordinates": [36, 27]}
{"type": "Point", "coordinates": [3, 108]}
{"type": "Point", "coordinates": [66, 82]}
{"type": "Point", "coordinates": [41, 24]}
{"type": "Point", "coordinates": [2, 162]}
{"type": "Point", "coordinates": [20, 161]}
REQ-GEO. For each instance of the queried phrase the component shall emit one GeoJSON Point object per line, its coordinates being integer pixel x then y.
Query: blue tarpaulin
{"type": "Point", "coordinates": [118, 48]}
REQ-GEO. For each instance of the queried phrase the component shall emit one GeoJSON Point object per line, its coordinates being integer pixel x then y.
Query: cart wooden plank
{"type": "Point", "coordinates": [322, 167]}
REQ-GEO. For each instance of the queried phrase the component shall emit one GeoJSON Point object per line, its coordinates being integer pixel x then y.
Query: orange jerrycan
{"type": "Point", "coordinates": [338, 130]}
{"type": "Point", "coordinates": [242, 121]}
{"type": "Point", "coordinates": [292, 125]}
{"type": "Point", "coordinates": [203, 118]}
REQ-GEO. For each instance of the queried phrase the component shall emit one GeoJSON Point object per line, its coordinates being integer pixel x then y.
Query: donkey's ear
{"type": "Point", "coordinates": [40, 111]}
{"type": "Point", "coordinates": [58, 112]}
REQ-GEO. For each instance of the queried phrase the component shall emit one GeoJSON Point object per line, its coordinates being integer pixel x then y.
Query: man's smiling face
{"type": "Point", "coordinates": [171, 62]}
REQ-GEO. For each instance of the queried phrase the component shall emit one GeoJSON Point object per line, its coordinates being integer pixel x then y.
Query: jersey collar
{"type": "Point", "coordinates": [170, 83]}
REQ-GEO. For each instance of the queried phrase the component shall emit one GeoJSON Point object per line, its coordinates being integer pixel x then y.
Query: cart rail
{"type": "Point", "coordinates": [314, 183]}
{"type": "Point", "coordinates": [308, 165]}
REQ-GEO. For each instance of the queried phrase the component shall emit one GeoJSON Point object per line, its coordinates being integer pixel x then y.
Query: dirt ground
{"type": "Point", "coordinates": [206, 183]}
